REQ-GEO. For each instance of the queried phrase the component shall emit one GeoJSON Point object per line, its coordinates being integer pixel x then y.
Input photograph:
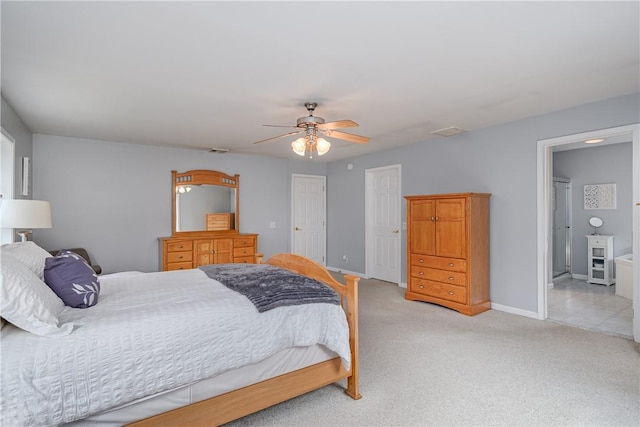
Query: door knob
{"type": "Point", "coordinates": [298, 228]}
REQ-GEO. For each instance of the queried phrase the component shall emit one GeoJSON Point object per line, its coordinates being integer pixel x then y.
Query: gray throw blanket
{"type": "Point", "coordinates": [268, 286]}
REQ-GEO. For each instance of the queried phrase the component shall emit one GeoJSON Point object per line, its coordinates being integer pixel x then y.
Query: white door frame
{"type": "Point", "coordinates": [293, 213]}
{"type": "Point", "coordinates": [7, 168]}
{"type": "Point", "coordinates": [545, 180]}
{"type": "Point", "coordinates": [368, 238]}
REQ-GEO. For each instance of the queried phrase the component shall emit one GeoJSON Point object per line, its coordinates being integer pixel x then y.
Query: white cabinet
{"type": "Point", "coordinates": [600, 259]}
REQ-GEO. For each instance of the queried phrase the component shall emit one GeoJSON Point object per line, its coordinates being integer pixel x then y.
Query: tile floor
{"type": "Point", "coordinates": [588, 306]}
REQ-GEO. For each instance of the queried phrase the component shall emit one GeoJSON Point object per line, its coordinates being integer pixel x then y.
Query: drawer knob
{"type": "Point", "coordinates": [421, 286]}
{"type": "Point", "coordinates": [180, 247]}
{"type": "Point", "coordinates": [451, 293]}
{"type": "Point", "coordinates": [421, 273]}
{"type": "Point", "coordinates": [451, 278]}
{"type": "Point", "coordinates": [180, 257]}
{"type": "Point", "coordinates": [451, 264]}
{"type": "Point", "coordinates": [421, 260]}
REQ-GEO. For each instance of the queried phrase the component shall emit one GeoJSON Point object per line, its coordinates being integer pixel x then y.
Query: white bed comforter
{"type": "Point", "coordinates": [149, 333]}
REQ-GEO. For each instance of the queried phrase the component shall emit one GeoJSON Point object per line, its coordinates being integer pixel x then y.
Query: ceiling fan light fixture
{"type": "Point", "coordinates": [322, 146]}
{"type": "Point", "coordinates": [299, 146]}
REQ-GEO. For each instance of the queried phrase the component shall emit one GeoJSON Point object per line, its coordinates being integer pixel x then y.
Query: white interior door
{"type": "Point", "coordinates": [309, 214]}
{"type": "Point", "coordinates": [383, 223]}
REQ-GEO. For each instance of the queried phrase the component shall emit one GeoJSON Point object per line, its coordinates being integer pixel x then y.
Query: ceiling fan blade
{"type": "Point", "coordinates": [337, 124]}
{"type": "Point", "coordinates": [279, 136]}
{"type": "Point", "coordinates": [346, 136]}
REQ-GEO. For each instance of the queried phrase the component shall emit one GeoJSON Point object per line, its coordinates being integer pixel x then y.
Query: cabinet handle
{"type": "Point", "coordinates": [437, 219]}
{"type": "Point", "coordinates": [433, 218]}
{"type": "Point", "coordinates": [450, 264]}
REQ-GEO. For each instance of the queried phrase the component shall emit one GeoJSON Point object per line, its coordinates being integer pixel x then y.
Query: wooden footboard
{"type": "Point", "coordinates": [238, 403]}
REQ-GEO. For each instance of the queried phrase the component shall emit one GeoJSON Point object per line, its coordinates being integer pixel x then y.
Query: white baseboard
{"type": "Point", "coordinates": [343, 271]}
{"type": "Point", "coordinates": [580, 276]}
{"type": "Point", "coordinates": [402, 285]}
{"type": "Point", "coordinates": [513, 310]}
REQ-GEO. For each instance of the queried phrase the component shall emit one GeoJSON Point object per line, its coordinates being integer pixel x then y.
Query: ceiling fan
{"type": "Point", "coordinates": [311, 126]}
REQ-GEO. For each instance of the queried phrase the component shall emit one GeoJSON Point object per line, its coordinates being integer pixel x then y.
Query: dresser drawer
{"type": "Point", "coordinates": [179, 256]}
{"type": "Point", "coordinates": [179, 266]}
{"type": "Point", "coordinates": [244, 260]}
{"type": "Point", "coordinates": [179, 246]}
{"type": "Point", "coordinates": [439, 290]}
{"type": "Point", "coordinates": [441, 263]}
{"type": "Point", "coordinates": [242, 252]}
{"type": "Point", "coordinates": [244, 242]}
{"type": "Point", "coordinates": [450, 277]}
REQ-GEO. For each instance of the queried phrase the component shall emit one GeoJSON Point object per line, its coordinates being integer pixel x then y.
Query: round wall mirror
{"type": "Point", "coordinates": [596, 223]}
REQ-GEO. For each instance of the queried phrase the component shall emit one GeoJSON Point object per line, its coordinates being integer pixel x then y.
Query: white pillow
{"type": "Point", "coordinates": [27, 301]}
{"type": "Point", "coordinates": [29, 253]}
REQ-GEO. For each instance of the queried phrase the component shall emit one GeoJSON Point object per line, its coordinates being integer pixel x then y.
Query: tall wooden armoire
{"type": "Point", "coordinates": [448, 250]}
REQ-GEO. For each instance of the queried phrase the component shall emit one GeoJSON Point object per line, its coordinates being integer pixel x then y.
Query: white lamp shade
{"type": "Point", "coordinates": [322, 146]}
{"type": "Point", "coordinates": [299, 146]}
{"type": "Point", "coordinates": [22, 213]}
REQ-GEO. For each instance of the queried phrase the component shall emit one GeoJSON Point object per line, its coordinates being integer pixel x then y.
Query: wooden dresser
{"type": "Point", "coordinates": [180, 253]}
{"type": "Point", "coordinates": [448, 250]}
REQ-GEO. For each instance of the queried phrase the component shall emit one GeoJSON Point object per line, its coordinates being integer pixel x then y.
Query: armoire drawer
{"type": "Point", "coordinates": [244, 260]}
{"type": "Point", "coordinates": [439, 290]}
{"type": "Point", "coordinates": [449, 277]}
{"type": "Point", "coordinates": [441, 263]}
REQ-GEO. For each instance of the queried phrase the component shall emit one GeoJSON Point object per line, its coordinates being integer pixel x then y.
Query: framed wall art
{"type": "Point", "coordinates": [600, 196]}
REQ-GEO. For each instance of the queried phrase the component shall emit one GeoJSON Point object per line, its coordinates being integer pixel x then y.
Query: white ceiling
{"type": "Point", "coordinates": [209, 74]}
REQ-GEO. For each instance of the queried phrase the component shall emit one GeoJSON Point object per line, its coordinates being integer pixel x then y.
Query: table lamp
{"type": "Point", "coordinates": [25, 215]}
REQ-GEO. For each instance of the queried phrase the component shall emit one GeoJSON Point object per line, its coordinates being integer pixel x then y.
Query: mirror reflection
{"type": "Point", "coordinates": [205, 207]}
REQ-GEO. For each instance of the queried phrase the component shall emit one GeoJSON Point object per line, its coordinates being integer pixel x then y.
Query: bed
{"type": "Point", "coordinates": [178, 348]}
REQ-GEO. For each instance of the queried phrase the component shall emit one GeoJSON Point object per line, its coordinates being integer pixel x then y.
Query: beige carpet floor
{"type": "Point", "coordinates": [426, 365]}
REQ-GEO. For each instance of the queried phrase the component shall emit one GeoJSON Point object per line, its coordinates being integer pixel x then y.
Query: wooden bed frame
{"type": "Point", "coordinates": [238, 403]}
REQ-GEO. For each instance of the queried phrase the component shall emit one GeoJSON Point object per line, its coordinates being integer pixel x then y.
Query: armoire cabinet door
{"type": "Point", "coordinates": [423, 227]}
{"type": "Point", "coordinates": [450, 228]}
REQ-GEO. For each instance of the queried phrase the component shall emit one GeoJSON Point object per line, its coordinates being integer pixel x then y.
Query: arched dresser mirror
{"type": "Point", "coordinates": [204, 201]}
{"type": "Point", "coordinates": [205, 222]}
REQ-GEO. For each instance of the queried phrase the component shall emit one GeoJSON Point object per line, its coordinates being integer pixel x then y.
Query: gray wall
{"type": "Point", "coordinates": [12, 124]}
{"type": "Point", "coordinates": [598, 165]}
{"type": "Point", "coordinates": [500, 160]}
{"type": "Point", "coordinates": [115, 199]}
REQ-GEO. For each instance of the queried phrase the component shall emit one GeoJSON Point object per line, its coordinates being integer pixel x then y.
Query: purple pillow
{"type": "Point", "coordinates": [72, 279]}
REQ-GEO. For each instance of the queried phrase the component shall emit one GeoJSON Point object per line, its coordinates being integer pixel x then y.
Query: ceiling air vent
{"type": "Point", "coordinates": [219, 150]}
{"type": "Point", "coordinates": [450, 131]}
